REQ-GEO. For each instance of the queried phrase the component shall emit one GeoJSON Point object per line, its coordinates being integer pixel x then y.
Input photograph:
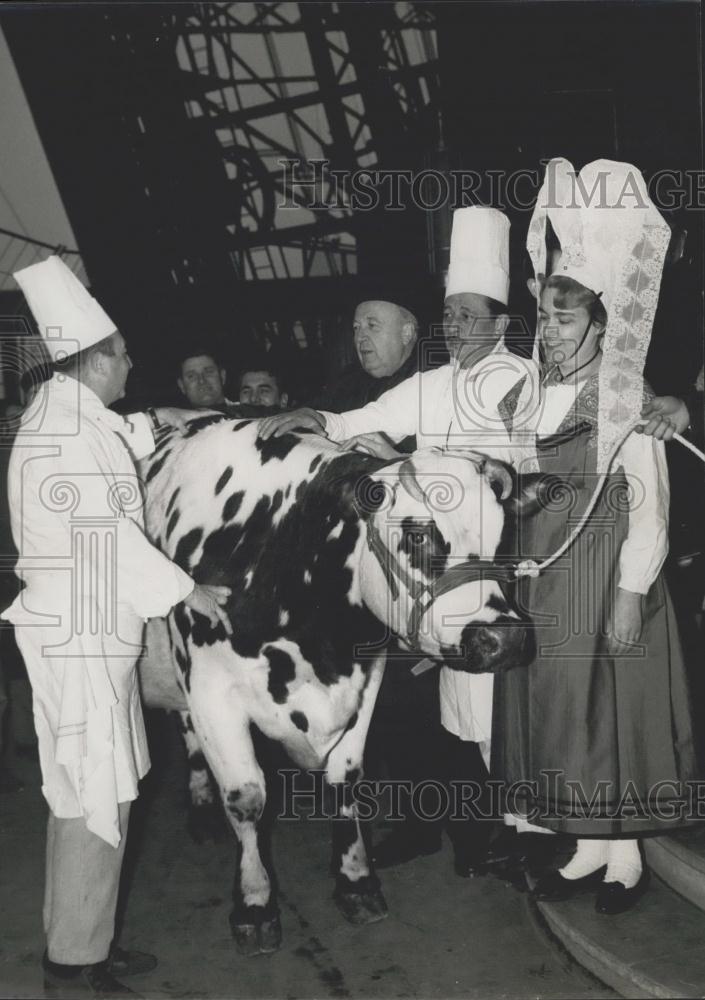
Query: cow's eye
{"type": "Point", "coordinates": [416, 538]}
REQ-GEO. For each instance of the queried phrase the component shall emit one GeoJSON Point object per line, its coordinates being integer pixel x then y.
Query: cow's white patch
{"type": "Point", "coordinates": [336, 531]}
{"type": "Point", "coordinates": [254, 881]}
{"type": "Point", "coordinates": [283, 617]}
{"type": "Point", "coordinates": [307, 576]}
{"type": "Point", "coordinates": [248, 579]}
{"type": "Point", "coordinates": [354, 864]}
{"type": "Point", "coordinates": [200, 788]}
{"type": "Point", "coordinates": [353, 564]}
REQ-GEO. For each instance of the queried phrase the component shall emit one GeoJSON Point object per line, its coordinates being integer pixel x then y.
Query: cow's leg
{"type": "Point", "coordinates": [357, 889]}
{"type": "Point", "coordinates": [224, 731]}
{"type": "Point", "coordinates": [205, 813]}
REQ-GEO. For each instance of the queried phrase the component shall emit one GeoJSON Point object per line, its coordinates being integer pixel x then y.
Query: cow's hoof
{"type": "Point", "coordinates": [257, 939]}
{"type": "Point", "coordinates": [207, 823]}
{"type": "Point", "coordinates": [270, 936]}
{"type": "Point", "coordinates": [361, 907]}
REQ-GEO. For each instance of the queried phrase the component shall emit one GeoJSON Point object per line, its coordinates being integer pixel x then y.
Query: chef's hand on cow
{"type": "Point", "coordinates": [666, 415]}
{"type": "Point", "coordinates": [175, 416]}
{"type": "Point", "coordinates": [624, 630]}
{"type": "Point", "coordinates": [376, 444]}
{"type": "Point", "coordinates": [208, 599]}
{"type": "Point", "coordinates": [295, 420]}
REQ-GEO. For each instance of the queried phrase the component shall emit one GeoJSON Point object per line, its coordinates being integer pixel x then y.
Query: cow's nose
{"type": "Point", "coordinates": [490, 648]}
{"type": "Point", "coordinates": [488, 642]}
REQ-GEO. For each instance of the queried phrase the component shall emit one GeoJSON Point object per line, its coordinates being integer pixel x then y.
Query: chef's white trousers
{"type": "Point", "coordinates": [81, 890]}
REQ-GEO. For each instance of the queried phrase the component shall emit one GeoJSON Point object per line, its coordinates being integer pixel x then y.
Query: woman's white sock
{"type": "Point", "coordinates": [623, 862]}
{"type": "Point", "coordinates": [589, 856]}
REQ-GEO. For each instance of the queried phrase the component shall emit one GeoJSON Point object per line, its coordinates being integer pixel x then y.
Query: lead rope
{"type": "Point", "coordinates": [531, 568]}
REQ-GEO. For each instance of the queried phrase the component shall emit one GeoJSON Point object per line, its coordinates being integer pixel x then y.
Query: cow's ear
{"type": "Point", "coordinates": [533, 491]}
{"type": "Point", "coordinates": [360, 496]}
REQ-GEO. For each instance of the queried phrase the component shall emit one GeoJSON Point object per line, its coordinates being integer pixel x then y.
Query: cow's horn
{"type": "Point", "coordinates": [499, 478]}
{"type": "Point", "coordinates": [408, 479]}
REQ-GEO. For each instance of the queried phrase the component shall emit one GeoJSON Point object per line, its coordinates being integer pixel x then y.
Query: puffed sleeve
{"type": "Point", "coordinates": [645, 548]}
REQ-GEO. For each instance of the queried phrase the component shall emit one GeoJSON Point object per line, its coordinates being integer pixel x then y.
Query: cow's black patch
{"type": "Point", "coordinates": [156, 466]}
{"type": "Point", "coordinates": [277, 500]}
{"type": "Point", "coordinates": [282, 669]}
{"type": "Point", "coordinates": [185, 723]}
{"type": "Point", "coordinates": [204, 633]}
{"type": "Point", "coordinates": [352, 776]}
{"type": "Point", "coordinates": [244, 807]}
{"type": "Point", "coordinates": [181, 660]}
{"type": "Point", "coordinates": [275, 447]}
{"type": "Point", "coordinates": [172, 501]}
{"type": "Point", "coordinates": [343, 829]}
{"type": "Point", "coordinates": [181, 620]}
{"type": "Point", "coordinates": [186, 547]}
{"type": "Point", "coordinates": [223, 479]}
{"type": "Point", "coordinates": [315, 463]}
{"type": "Point", "coordinates": [194, 426]}
{"type": "Point", "coordinates": [424, 544]}
{"type": "Point", "coordinates": [352, 721]}
{"type": "Point", "coordinates": [497, 604]}
{"type": "Point", "coordinates": [300, 721]}
{"type": "Point", "coordinates": [232, 505]}
{"type": "Point", "coordinates": [240, 424]}
{"type": "Point", "coordinates": [173, 521]}
{"type": "Point", "coordinates": [197, 762]}
{"type": "Point", "coordinates": [164, 437]}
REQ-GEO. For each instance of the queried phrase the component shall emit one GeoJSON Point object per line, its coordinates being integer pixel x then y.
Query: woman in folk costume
{"type": "Point", "coordinates": [597, 730]}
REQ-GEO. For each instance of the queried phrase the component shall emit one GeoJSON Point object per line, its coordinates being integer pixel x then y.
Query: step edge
{"type": "Point", "coordinates": [618, 974]}
{"type": "Point", "coordinates": [672, 869]}
{"type": "Point", "coordinates": [667, 845]}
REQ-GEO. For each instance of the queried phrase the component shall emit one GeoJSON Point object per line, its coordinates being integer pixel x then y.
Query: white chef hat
{"type": "Point", "coordinates": [68, 317]}
{"type": "Point", "coordinates": [479, 253]}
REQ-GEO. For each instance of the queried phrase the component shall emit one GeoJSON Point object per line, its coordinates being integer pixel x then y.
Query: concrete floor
{"type": "Point", "coordinates": [444, 937]}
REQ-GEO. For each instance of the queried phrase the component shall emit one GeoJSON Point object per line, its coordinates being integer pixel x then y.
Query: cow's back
{"type": "Point", "coordinates": [269, 520]}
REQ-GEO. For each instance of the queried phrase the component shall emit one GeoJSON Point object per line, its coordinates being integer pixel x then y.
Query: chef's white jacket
{"type": "Point", "coordinates": [451, 408]}
{"type": "Point", "coordinates": [91, 580]}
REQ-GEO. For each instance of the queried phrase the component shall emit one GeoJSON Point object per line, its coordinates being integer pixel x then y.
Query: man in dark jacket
{"type": "Point", "coordinates": [405, 737]}
{"type": "Point", "coordinates": [384, 335]}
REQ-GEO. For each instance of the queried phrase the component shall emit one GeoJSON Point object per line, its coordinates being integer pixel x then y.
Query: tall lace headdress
{"type": "Point", "coordinates": [614, 241]}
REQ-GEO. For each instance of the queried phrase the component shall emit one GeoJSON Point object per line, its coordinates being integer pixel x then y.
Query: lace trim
{"type": "Point", "coordinates": [625, 241]}
{"type": "Point", "coordinates": [627, 337]}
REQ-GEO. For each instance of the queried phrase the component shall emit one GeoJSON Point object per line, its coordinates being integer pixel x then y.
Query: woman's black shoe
{"type": "Point", "coordinates": [553, 888]}
{"type": "Point", "coordinates": [614, 897]}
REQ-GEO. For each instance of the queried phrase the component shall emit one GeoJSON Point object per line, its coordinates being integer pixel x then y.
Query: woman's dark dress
{"type": "Point", "coordinates": [595, 736]}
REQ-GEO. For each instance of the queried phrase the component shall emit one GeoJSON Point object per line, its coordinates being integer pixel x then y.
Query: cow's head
{"type": "Point", "coordinates": [434, 522]}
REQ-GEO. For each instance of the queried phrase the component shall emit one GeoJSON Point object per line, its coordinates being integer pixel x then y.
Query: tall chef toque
{"type": "Point", "coordinates": [68, 318]}
{"type": "Point", "coordinates": [479, 253]}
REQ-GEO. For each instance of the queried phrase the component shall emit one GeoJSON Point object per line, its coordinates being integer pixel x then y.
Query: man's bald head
{"type": "Point", "coordinates": [385, 334]}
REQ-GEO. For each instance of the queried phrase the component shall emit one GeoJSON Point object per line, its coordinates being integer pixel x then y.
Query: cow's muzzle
{"type": "Point", "coordinates": [491, 647]}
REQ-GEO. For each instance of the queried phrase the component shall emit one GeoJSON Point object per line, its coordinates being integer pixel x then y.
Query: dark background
{"type": "Point", "coordinates": [517, 83]}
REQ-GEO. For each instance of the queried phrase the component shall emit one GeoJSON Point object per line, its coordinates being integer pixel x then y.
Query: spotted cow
{"type": "Point", "coordinates": [326, 552]}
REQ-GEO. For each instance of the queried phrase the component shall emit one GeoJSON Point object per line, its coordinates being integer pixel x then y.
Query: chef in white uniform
{"type": "Point", "coordinates": [452, 407]}
{"type": "Point", "coordinates": [91, 580]}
